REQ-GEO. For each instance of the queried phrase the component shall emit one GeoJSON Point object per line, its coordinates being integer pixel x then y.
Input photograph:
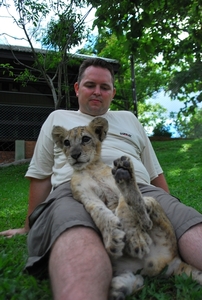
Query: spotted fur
{"type": "Point", "coordinates": [136, 232]}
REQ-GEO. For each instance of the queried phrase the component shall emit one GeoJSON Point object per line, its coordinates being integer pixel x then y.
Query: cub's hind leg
{"type": "Point", "coordinates": [124, 176]}
{"type": "Point", "coordinates": [137, 240]}
{"type": "Point", "coordinates": [165, 242]}
{"type": "Point", "coordinates": [131, 209]}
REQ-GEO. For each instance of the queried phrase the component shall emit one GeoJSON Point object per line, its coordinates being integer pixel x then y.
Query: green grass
{"type": "Point", "coordinates": [181, 161]}
{"type": "Point", "coordinates": [182, 165]}
{"type": "Point", "coordinates": [14, 283]}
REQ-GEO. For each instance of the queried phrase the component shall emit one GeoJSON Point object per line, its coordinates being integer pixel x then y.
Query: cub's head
{"type": "Point", "coordinates": [81, 145]}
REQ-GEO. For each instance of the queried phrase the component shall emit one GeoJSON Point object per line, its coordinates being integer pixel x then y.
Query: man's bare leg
{"type": "Point", "coordinates": [190, 246]}
{"type": "Point", "coordinates": [79, 266]}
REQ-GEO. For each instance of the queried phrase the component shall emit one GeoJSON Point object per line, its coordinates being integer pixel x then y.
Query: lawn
{"type": "Point", "coordinates": [182, 164]}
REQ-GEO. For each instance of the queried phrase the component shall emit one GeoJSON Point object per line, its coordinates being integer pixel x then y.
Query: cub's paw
{"type": "Point", "coordinates": [146, 222]}
{"type": "Point", "coordinates": [114, 238]}
{"type": "Point", "coordinates": [137, 243]}
{"type": "Point", "coordinates": [125, 284]}
{"type": "Point", "coordinates": [123, 169]}
{"type": "Point", "coordinates": [150, 204]}
{"type": "Point", "coordinates": [115, 243]}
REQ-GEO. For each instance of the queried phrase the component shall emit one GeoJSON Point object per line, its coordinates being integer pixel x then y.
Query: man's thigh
{"type": "Point", "coordinates": [56, 215]}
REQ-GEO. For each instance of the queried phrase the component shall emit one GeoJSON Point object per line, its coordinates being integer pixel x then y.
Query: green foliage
{"type": "Point", "coordinates": [31, 11]}
{"type": "Point", "coordinates": [181, 162]}
{"type": "Point", "coordinates": [64, 30]}
{"type": "Point", "coordinates": [7, 68]}
{"type": "Point", "coordinates": [149, 114]}
{"type": "Point", "coordinates": [185, 81]}
{"type": "Point", "coordinates": [189, 127]}
{"type": "Point", "coordinates": [68, 27]}
{"type": "Point", "coordinates": [162, 130]}
{"type": "Point", "coordinates": [25, 77]}
{"type": "Point", "coordinates": [167, 32]}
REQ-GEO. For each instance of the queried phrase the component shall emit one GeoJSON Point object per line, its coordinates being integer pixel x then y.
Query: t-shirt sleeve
{"type": "Point", "coordinates": [43, 158]}
{"type": "Point", "coordinates": [149, 158]}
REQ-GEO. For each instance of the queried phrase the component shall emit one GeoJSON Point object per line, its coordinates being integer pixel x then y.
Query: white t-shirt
{"type": "Point", "coordinates": [125, 136]}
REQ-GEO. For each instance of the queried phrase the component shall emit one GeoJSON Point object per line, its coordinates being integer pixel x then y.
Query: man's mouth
{"type": "Point", "coordinates": [95, 101]}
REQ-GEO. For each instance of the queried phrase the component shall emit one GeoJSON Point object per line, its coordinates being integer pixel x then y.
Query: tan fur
{"type": "Point", "coordinates": [136, 232]}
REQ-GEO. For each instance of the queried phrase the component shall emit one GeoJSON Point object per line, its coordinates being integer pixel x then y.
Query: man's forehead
{"type": "Point", "coordinates": [97, 74]}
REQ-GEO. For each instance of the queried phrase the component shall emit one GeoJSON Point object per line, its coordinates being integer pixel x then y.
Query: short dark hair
{"type": "Point", "coordinates": [95, 62]}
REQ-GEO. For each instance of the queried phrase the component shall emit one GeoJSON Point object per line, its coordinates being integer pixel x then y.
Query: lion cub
{"type": "Point", "coordinates": [136, 232]}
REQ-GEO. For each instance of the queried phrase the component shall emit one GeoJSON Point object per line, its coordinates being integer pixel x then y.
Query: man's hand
{"type": "Point", "coordinates": [11, 232]}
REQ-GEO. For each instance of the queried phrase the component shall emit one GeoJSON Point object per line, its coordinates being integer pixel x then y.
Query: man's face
{"type": "Point", "coordinates": [95, 91]}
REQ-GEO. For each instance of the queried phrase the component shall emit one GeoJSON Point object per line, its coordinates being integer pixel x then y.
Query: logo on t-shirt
{"type": "Point", "coordinates": [126, 134]}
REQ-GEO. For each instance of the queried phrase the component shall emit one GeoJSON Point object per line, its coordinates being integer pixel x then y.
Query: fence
{"type": "Point", "coordinates": [20, 123]}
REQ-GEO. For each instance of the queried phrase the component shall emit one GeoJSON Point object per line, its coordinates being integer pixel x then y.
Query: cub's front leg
{"type": "Point", "coordinates": [132, 210]}
{"type": "Point", "coordinates": [106, 221]}
{"type": "Point", "coordinates": [125, 284]}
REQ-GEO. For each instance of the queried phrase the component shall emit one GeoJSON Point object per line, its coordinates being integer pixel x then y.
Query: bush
{"type": "Point", "coordinates": [162, 130]}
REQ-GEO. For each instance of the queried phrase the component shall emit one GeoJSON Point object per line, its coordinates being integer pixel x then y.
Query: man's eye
{"type": "Point", "coordinates": [85, 139]}
{"type": "Point", "coordinates": [66, 143]}
{"type": "Point", "coordinates": [105, 88]}
{"type": "Point", "coordinates": [90, 86]}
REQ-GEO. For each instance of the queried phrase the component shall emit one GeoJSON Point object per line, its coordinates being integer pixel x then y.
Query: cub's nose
{"type": "Point", "coordinates": [75, 154]}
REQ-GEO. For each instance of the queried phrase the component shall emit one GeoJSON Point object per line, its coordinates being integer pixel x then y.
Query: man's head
{"type": "Point", "coordinates": [95, 62]}
{"type": "Point", "coordinates": [95, 86]}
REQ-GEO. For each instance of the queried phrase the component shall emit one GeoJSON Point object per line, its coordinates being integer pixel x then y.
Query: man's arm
{"type": "Point", "coordinates": [39, 191]}
{"type": "Point", "coordinates": [160, 181]}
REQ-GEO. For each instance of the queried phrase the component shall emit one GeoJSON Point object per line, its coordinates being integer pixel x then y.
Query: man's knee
{"type": "Point", "coordinates": [190, 246]}
{"type": "Point", "coordinates": [78, 242]}
{"type": "Point", "coordinates": [79, 255]}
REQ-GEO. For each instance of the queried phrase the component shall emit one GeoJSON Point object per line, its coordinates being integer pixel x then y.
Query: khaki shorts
{"type": "Point", "coordinates": [60, 212]}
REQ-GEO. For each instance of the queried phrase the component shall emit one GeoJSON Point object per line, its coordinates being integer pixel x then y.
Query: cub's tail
{"type": "Point", "coordinates": [178, 267]}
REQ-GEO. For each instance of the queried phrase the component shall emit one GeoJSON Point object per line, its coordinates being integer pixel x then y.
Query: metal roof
{"type": "Point", "coordinates": [76, 55]}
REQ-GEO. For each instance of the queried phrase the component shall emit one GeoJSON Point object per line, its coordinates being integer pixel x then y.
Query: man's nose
{"type": "Point", "coordinates": [97, 90]}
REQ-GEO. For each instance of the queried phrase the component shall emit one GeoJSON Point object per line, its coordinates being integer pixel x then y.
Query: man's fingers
{"type": "Point", "coordinates": [11, 232]}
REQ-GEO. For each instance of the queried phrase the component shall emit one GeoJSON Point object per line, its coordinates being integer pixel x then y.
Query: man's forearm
{"type": "Point", "coordinates": [39, 191]}
{"type": "Point", "coordinates": [160, 181]}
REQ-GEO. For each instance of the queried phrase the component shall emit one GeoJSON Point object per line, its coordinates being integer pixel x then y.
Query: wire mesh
{"type": "Point", "coordinates": [19, 123]}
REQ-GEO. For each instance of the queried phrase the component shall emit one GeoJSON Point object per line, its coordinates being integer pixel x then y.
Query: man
{"type": "Point", "coordinates": [63, 236]}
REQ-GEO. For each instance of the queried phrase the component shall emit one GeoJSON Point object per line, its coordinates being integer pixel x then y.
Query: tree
{"type": "Point", "coordinates": [162, 130]}
{"type": "Point", "coordinates": [190, 127]}
{"type": "Point", "coordinates": [64, 30]}
{"type": "Point", "coordinates": [186, 85]}
{"type": "Point", "coordinates": [168, 31]}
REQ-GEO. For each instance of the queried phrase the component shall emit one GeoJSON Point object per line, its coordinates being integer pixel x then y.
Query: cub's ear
{"type": "Point", "coordinates": [99, 126]}
{"type": "Point", "coordinates": [59, 134]}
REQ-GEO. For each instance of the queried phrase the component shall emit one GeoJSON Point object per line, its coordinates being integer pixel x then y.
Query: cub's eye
{"type": "Point", "coordinates": [66, 143]}
{"type": "Point", "coordinates": [85, 139]}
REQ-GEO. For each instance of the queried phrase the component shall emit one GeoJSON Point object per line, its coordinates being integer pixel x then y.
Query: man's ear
{"type": "Point", "coordinates": [99, 126]}
{"type": "Point", "coordinates": [76, 88]}
{"type": "Point", "coordinates": [59, 133]}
